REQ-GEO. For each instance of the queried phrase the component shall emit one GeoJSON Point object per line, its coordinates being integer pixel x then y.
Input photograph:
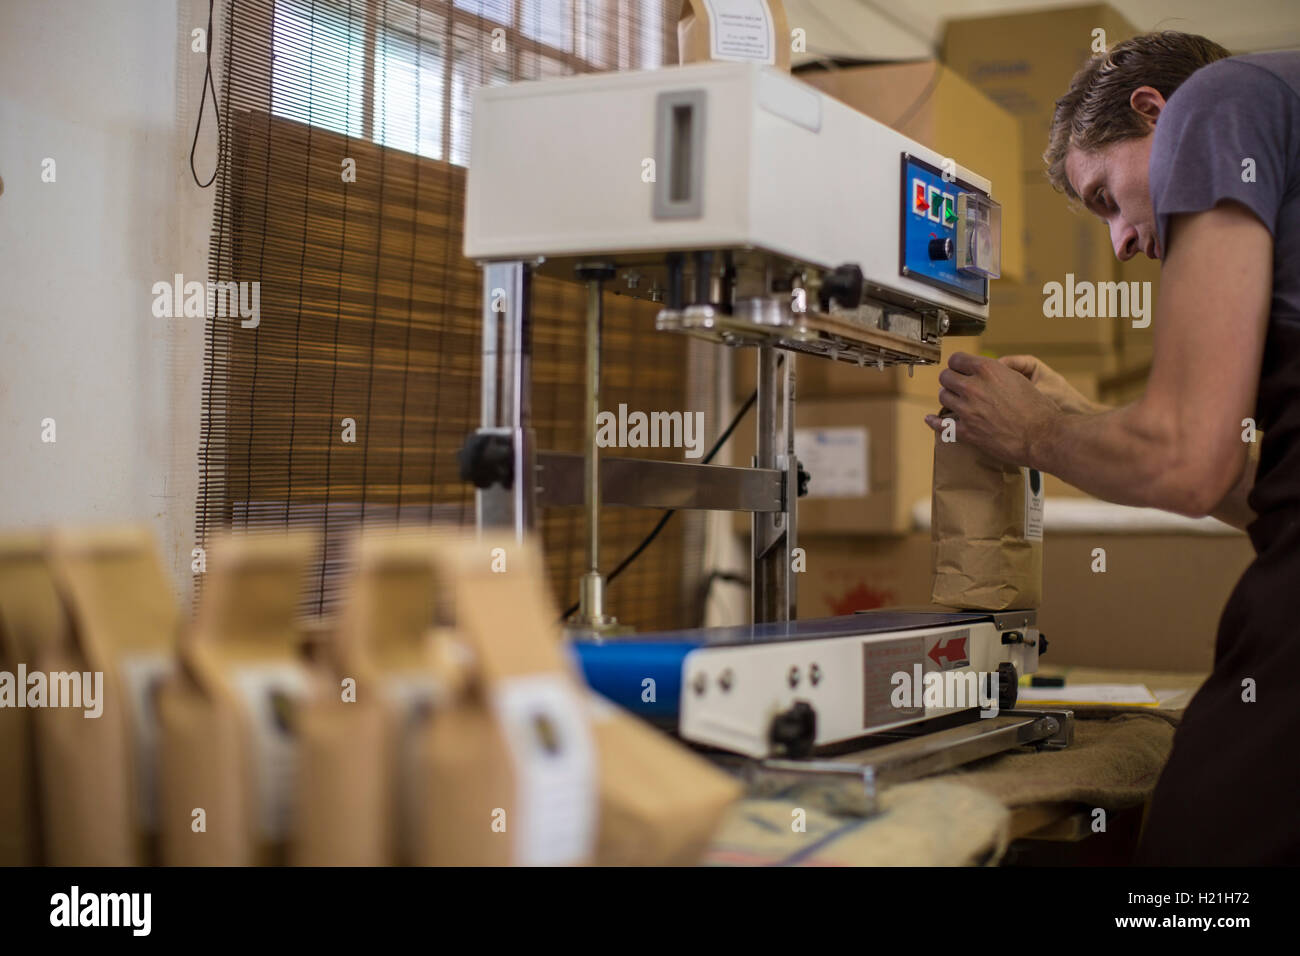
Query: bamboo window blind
{"type": "Point", "coordinates": [368, 310]}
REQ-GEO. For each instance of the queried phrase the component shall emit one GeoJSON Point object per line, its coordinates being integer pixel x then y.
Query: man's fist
{"type": "Point", "coordinates": [996, 407]}
{"type": "Point", "coordinates": [1052, 384]}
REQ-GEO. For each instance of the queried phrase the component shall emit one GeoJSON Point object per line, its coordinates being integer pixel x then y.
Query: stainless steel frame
{"type": "Point", "coordinates": [853, 784]}
{"type": "Point", "coordinates": [768, 490]}
{"type": "Point", "coordinates": [506, 406]}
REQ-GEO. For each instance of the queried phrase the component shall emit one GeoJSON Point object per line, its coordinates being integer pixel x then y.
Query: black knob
{"type": "Point", "coordinates": [941, 248]}
{"type": "Point", "coordinates": [1008, 686]}
{"type": "Point", "coordinates": [1042, 643]}
{"type": "Point", "coordinates": [487, 460]}
{"type": "Point", "coordinates": [844, 286]}
{"type": "Point", "coordinates": [793, 731]}
{"type": "Point", "coordinates": [803, 480]}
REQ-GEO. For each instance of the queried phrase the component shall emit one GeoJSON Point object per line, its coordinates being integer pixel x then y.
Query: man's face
{"type": "Point", "coordinates": [1112, 182]}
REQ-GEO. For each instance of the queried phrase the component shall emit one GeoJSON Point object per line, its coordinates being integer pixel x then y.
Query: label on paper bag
{"type": "Point", "coordinates": [142, 675]}
{"type": "Point", "coordinates": [741, 30]}
{"type": "Point", "coordinates": [1033, 504]}
{"type": "Point", "coordinates": [271, 695]}
{"type": "Point", "coordinates": [413, 696]}
{"type": "Point", "coordinates": [544, 722]}
{"type": "Point", "coordinates": [836, 459]}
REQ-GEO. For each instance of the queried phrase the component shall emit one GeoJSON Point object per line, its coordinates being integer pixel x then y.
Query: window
{"type": "Point", "coordinates": [379, 70]}
{"type": "Point", "coordinates": [369, 312]}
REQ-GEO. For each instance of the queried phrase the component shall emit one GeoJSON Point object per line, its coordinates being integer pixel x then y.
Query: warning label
{"type": "Point", "coordinates": [881, 660]}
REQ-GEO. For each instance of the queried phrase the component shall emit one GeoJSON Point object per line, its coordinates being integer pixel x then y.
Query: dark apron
{"type": "Point", "coordinates": [1230, 794]}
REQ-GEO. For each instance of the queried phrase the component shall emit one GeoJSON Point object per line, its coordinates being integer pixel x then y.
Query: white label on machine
{"type": "Point", "coordinates": [554, 757]}
{"type": "Point", "coordinates": [272, 692]}
{"type": "Point", "coordinates": [1033, 504]}
{"type": "Point", "coordinates": [836, 459]}
{"type": "Point", "coordinates": [741, 30]}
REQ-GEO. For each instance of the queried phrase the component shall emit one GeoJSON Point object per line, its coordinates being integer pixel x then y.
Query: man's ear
{"type": "Point", "coordinates": [1148, 102]}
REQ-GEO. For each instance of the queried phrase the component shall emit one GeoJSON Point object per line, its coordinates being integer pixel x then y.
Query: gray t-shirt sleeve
{"type": "Point", "coordinates": [1222, 137]}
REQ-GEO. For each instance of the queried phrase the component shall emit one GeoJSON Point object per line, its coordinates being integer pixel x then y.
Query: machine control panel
{"type": "Point", "coordinates": [950, 234]}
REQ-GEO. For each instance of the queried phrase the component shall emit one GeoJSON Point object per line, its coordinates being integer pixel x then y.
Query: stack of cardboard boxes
{"type": "Point", "coordinates": [1024, 62]}
{"type": "Point", "coordinates": [861, 432]}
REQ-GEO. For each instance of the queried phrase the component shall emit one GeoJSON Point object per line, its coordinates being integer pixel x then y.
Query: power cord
{"type": "Point", "coordinates": [216, 110]}
{"type": "Point", "coordinates": [663, 521]}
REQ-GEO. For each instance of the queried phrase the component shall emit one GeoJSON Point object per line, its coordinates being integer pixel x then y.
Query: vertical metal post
{"type": "Point", "coordinates": [505, 405]}
{"type": "Point", "coordinates": [773, 590]}
{"type": "Point", "coordinates": [591, 603]}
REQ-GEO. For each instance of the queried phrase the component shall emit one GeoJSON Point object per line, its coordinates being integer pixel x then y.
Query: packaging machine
{"type": "Point", "coordinates": [757, 212]}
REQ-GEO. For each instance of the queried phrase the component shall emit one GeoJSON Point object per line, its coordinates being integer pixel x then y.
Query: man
{"type": "Point", "coordinates": [1193, 158]}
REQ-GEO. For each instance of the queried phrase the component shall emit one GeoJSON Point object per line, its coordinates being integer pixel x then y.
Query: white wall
{"type": "Point", "coordinates": [109, 91]}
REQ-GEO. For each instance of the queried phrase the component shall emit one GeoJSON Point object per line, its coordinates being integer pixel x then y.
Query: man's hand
{"type": "Point", "coordinates": [1052, 384]}
{"type": "Point", "coordinates": [997, 409]}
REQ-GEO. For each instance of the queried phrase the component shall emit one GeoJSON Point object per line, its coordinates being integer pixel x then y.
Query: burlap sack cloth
{"type": "Point", "coordinates": [963, 817]}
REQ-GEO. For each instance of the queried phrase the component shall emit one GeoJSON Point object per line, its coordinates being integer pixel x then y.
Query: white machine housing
{"type": "Point", "coordinates": [559, 169]}
{"type": "Point", "coordinates": [731, 694]}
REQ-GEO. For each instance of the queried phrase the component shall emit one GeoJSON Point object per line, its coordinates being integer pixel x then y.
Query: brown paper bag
{"type": "Point", "coordinates": [986, 530]}
{"type": "Point", "coordinates": [659, 802]}
{"type": "Point", "coordinates": [228, 748]}
{"type": "Point", "coordinates": [510, 765]}
{"type": "Point", "coordinates": [734, 30]}
{"type": "Point", "coordinates": [31, 619]}
{"type": "Point", "coordinates": [97, 774]}
{"type": "Point", "coordinates": [354, 803]}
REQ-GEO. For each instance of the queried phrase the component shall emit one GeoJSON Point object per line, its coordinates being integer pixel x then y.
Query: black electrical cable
{"type": "Point", "coordinates": [216, 110]}
{"type": "Point", "coordinates": [654, 532]}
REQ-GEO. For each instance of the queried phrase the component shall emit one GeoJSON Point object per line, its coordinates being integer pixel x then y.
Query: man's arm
{"type": "Point", "coordinates": [1233, 509]}
{"type": "Point", "coordinates": [1179, 447]}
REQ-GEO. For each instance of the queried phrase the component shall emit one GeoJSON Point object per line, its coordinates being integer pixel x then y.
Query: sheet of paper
{"type": "Point", "coordinates": [741, 30]}
{"type": "Point", "coordinates": [837, 459]}
{"type": "Point", "coordinates": [1125, 695]}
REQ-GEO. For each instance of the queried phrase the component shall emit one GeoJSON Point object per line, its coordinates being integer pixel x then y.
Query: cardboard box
{"type": "Point", "coordinates": [870, 460]}
{"type": "Point", "coordinates": [938, 108]}
{"type": "Point", "coordinates": [847, 574]}
{"type": "Point", "coordinates": [1156, 607]}
{"type": "Point", "coordinates": [1066, 246]}
{"type": "Point", "coordinates": [1136, 343]}
{"type": "Point", "coordinates": [822, 378]}
{"type": "Point", "coordinates": [1025, 61]}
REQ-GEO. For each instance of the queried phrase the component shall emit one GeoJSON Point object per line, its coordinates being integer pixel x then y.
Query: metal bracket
{"type": "Point", "coordinates": [853, 784]}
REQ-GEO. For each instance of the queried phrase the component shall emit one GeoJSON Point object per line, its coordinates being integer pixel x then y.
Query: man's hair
{"type": "Point", "coordinates": [1096, 111]}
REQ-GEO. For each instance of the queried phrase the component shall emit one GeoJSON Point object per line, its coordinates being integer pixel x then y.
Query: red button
{"type": "Point", "coordinates": [920, 202]}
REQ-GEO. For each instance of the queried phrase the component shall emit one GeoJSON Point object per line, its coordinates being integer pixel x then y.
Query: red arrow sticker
{"type": "Point", "coordinates": [950, 653]}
